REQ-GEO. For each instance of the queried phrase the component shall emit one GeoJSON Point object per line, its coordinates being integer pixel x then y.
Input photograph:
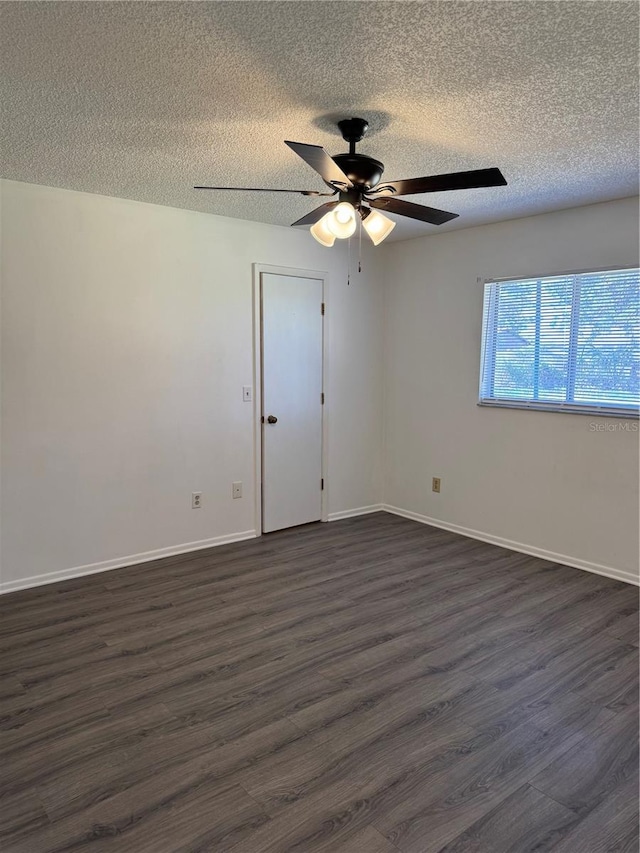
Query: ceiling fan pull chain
{"type": "Point", "coordinates": [349, 262]}
{"type": "Point", "coordinates": [360, 247]}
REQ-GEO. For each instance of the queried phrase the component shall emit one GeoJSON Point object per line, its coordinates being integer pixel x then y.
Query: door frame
{"type": "Point", "coordinates": [319, 275]}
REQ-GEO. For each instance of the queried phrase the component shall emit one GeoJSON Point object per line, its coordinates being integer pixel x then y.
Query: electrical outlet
{"type": "Point", "coordinates": [435, 484]}
{"type": "Point", "coordinates": [247, 393]}
{"type": "Point", "coordinates": [196, 500]}
{"type": "Point", "coordinates": [236, 490]}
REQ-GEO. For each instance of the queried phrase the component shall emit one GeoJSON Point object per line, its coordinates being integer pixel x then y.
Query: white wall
{"type": "Point", "coordinates": [127, 337]}
{"type": "Point", "coordinates": [540, 480]}
{"type": "Point", "coordinates": [126, 340]}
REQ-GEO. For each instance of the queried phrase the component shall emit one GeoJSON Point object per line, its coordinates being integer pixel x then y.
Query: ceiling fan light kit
{"type": "Point", "coordinates": [341, 223]}
{"type": "Point", "coordinates": [356, 178]}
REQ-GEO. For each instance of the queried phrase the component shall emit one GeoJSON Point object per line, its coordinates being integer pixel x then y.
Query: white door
{"type": "Point", "coordinates": [292, 326]}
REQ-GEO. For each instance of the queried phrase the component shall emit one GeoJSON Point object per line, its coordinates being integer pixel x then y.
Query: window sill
{"type": "Point", "coordinates": [565, 408]}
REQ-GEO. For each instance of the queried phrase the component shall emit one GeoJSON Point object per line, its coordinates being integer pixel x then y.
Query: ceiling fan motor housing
{"type": "Point", "coordinates": [363, 172]}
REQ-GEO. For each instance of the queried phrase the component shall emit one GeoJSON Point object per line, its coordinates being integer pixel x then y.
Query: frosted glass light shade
{"type": "Point", "coordinates": [378, 226]}
{"type": "Point", "coordinates": [321, 232]}
{"type": "Point", "coordinates": [341, 221]}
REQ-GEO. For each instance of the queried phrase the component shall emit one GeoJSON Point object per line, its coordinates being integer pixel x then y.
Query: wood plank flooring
{"type": "Point", "coordinates": [367, 686]}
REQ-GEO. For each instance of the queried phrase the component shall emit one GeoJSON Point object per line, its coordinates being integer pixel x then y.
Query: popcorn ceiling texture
{"type": "Point", "coordinates": [143, 100]}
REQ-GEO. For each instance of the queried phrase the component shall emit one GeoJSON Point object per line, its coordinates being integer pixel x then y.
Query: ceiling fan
{"type": "Point", "coordinates": [356, 180]}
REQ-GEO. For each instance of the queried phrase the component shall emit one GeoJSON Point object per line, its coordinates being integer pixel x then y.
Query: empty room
{"type": "Point", "coordinates": [320, 395]}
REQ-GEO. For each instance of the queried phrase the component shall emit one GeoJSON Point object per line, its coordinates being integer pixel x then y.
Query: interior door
{"type": "Point", "coordinates": [292, 328]}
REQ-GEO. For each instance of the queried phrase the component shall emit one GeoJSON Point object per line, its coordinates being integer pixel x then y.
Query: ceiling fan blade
{"type": "Point", "coordinates": [266, 190]}
{"type": "Point", "coordinates": [442, 183]}
{"type": "Point", "coordinates": [315, 215]}
{"type": "Point", "coordinates": [324, 165]}
{"type": "Point", "coordinates": [413, 211]}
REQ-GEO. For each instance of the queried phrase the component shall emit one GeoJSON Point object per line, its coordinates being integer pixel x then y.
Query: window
{"type": "Point", "coordinates": [563, 342]}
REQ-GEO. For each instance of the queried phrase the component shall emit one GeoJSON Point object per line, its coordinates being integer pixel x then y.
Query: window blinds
{"type": "Point", "coordinates": [569, 342]}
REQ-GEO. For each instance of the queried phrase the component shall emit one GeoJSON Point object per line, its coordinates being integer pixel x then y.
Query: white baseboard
{"type": "Point", "coordinates": [175, 550]}
{"type": "Point", "coordinates": [120, 562]}
{"type": "Point", "coordinates": [350, 513]}
{"type": "Point", "coordinates": [595, 568]}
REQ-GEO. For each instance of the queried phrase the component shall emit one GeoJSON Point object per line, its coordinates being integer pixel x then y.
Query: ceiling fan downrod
{"type": "Point", "coordinates": [353, 131]}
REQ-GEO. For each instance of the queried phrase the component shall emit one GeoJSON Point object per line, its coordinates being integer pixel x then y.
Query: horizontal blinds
{"type": "Point", "coordinates": [571, 340]}
{"type": "Point", "coordinates": [607, 360]}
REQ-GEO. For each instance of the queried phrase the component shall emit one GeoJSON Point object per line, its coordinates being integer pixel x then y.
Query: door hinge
{"type": "Point", "coordinates": [322, 308]}
{"type": "Point", "coordinates": [322, 485]}
{"type": "Point", "coordinates": [322, 399]}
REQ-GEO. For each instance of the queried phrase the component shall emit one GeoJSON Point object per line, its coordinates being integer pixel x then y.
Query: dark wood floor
{"type": "Point", "coordinates": [366, 686]}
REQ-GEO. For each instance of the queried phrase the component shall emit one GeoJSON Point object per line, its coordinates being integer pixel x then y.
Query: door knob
{"type": "Point", "coordinates": [272, 419]}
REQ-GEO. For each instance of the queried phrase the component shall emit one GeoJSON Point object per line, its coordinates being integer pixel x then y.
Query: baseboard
{"type": "Point", "coordinates": [107, 565]}
{"type": "Point", "coordinates": [175, 550]}
{"type": "Point", "coordinates": [585, 565]}
{"type": "Point", "coordinates": [350, 513]}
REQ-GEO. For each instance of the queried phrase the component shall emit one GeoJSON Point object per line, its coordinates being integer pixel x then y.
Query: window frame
{"type": "Point", "coordinates": [488, 351]}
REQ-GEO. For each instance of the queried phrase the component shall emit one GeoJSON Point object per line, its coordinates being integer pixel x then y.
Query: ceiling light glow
{"type": "Point", "coordinates": [378, 226]}
{"type": "Point", "coordinates": [341, 221]}
{"type": "Point", "coordinates": [321, 232]}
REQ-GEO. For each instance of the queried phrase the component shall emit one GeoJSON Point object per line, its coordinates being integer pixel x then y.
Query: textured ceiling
{"type": "Point", "coordinates": [143, 100]}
